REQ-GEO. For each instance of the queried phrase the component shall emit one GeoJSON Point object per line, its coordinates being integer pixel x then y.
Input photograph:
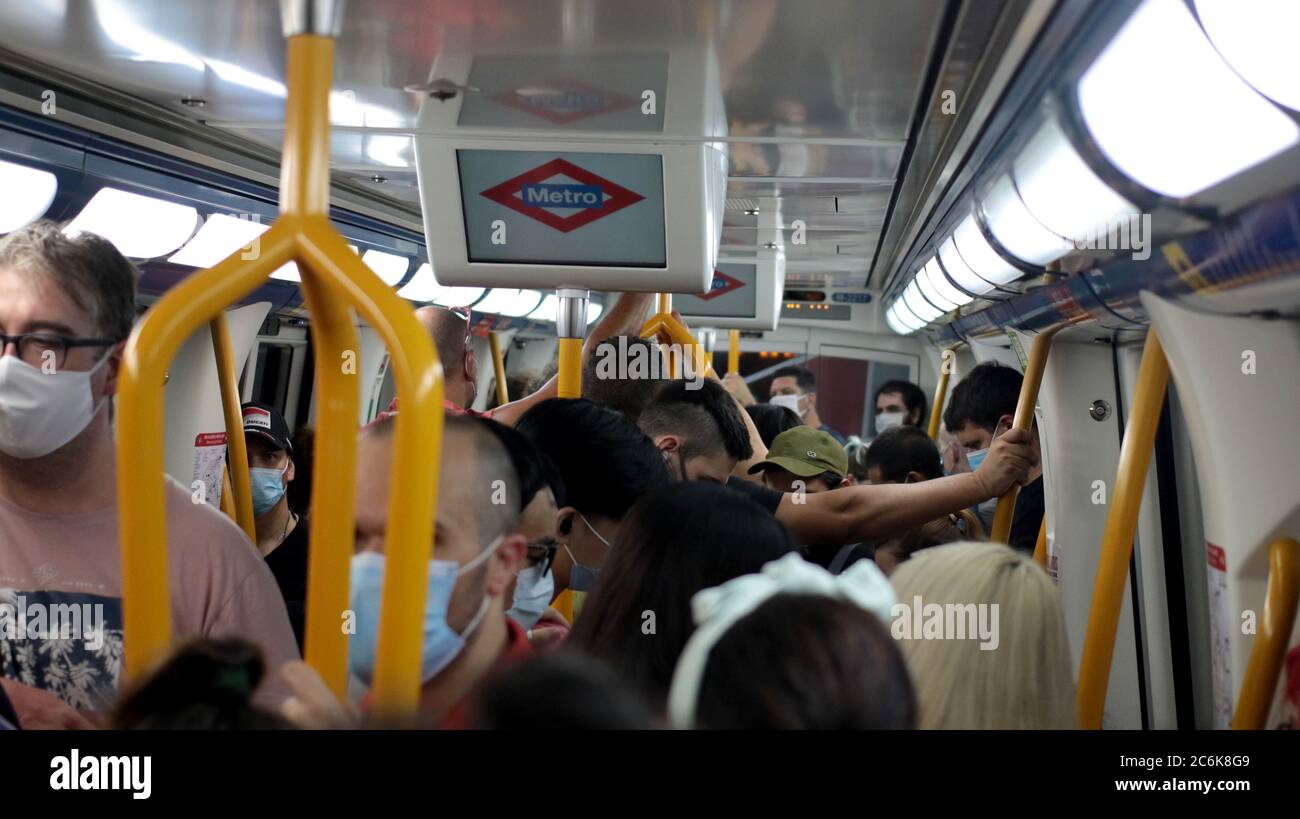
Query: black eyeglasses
{"type": "Point", "coordinates": [45, 349]}
{"type": "Point", "coordinates": [543, 551]}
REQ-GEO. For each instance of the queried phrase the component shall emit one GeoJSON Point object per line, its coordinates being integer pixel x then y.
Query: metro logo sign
{"type": "Point", "coordinates": [564, 101]}
{"type": "Point", "coordinates": [722, 284]}
{"type": "Point", "coordinates": [561, 195]}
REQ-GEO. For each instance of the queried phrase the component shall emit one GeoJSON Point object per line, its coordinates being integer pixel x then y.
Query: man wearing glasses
{"type": "Point", "coordinates": [66, 308]}
{"type": "Point", "coordinates": [451, 331]}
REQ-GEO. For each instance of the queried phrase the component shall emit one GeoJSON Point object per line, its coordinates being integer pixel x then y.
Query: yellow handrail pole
{"type": "Point", "coordinates": [1040, 548]}
{"type": "Point", "coordinates": [1265, 664]}
{"type": "Point", "coordinates": [571, 328]}
{"type": "Point", "coordinates": [733, 352]}
{"type": "Point", "coordinates": [1117, 540]}
{"type": "Point", "coordinates": [941, 391]}
{"type": "Point", "coordinates": [665, 304]}
{"type": "Point", "coordinates": [499, 368]}
{"type": "Point", "coordinates": [227, 502]}
{"type": "Point", "coordinates": [417, 448]}
{"type": "Point", "coordinates": [235, 445]}
{"type": "Point", "coordinates": [1024, 419]}
{"type": "Point", "coordinates": [142, 524]}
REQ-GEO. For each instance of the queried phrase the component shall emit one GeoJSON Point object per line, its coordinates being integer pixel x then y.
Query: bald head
{"type": "Point", "coordinates": [448, 332]}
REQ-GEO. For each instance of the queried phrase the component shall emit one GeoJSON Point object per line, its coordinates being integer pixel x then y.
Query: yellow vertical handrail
{"type": "Point", "coordinates": [570, 372]}
{"type": "Point", "coordinates": [1266, 655]}
{"type": "Point", "coordinates": [941, 391]}
{"type": "Point", "coordinates": [1040, 546]}
{"type": "Point", "coordinates": [733, 352]}
{"type": "Point", "coordinates": [333, 277]}
{"type": "Point", "coordinates": [499, 369]}
{"type": "Point", "coordinates": [1024, 419]}
{"type": "Point", "coordinates": [236, 448]}
{"type": "Point", "coordinates": [1121, 524]}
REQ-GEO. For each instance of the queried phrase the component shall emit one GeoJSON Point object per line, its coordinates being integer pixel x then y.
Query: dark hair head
{"type": "Point", "coordinates": [89, 270]}
{"type": "Point", "coordinates": [206, 685]}
{"type": "Point", "coordinates": [703, 414]}
{"type": "Point", "coordinates": [838, 669]}
{"type": "Point", "coordinates": [771, 420]}
{"type": "Point", "coordinates": [624, 373]}
{"type": "Point", "coordinates": [561, 691]}
{"type": "Point", "coordinates": [803, 377]}
{"type": "Point", "coordinates": [532, 466]}
{"type": "Point", "coordinates": [676, 541]}
{"type": "Point", "coordinates": [913, 398]}
{"type": "Point", "coordinates": [899, 450]}
{"type": "Point", "coordinates": [987, 393]}
{"type": "Point", "coordinates": [604, 462]}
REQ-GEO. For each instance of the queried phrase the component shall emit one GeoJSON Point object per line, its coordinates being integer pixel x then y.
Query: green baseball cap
{"type": "Point", "coordinates": [805, 452]}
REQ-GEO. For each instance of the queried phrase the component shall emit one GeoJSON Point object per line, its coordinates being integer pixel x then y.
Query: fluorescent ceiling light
{"type": "Point", "coordinates": [980, 256]}
{"type": "Point", "coordinates": [1016, 228]}
{"type": "Point", "coordinates": [1169, 113]}
{"type": "Point", "coordinates": [118, 22]}
{"type": "Point", "coordinates": [931, 294]}
{"type": "Point", "coordinates": [896, 324]}
{"type": "Point", "coordinates": [934, 274]}
{"type": "Point", "coordinates": [28, 193]}
{"type": "Point", "coordinates": [388, 266]}
{"type": "Point", "coordinates": [594, 310]}
{"type": "Point", "coordinates": [546, 310]}
{"type": "Point", "coordinates": [422, 287]}
{"type": "Point", "coordinates": [511, 302]}
{"type": "Point", "coordinates": [287, 273]}
{"type": "Point", "coordinates": [916, 303]}
{"type": "Point", "coordinates": [960, 272]}
{"type": "Point", "coordinates": [386, 149]}
{"type": "Point", "coordinates": [220, 236]}
{"type": "Point", "coordinates": [236, 75]}
{"type": "Point", "coordinates": [458, 296]}
{"type": "Point", "coordinates": [140, 227]}
{"type": "Point", "coordinates": [905, 316]}
{"type": "Point", "coordinates": [1257, 38]}
{"type": "Point", "coordinates": [1062, 192]}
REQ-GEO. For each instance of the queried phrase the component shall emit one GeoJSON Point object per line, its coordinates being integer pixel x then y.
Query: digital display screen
{"type": "Point", "coordinates": [733, 294]}
{"type": "Point", "coordinates": [557, 208]}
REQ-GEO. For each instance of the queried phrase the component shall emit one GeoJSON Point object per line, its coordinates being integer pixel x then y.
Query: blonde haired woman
{"type": "Point", "coordinates": [1001, 663]}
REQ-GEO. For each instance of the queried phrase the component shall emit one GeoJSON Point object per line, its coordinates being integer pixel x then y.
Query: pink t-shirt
{"type": "Point", "coordinates": [61, 597]}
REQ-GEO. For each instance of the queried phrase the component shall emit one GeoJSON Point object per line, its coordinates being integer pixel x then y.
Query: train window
{"type": "Point", "coordinates": [271, 374]}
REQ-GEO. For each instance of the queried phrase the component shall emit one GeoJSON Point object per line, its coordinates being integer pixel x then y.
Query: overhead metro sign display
{"type": "Point", "coordinates": [562, 195]}
{"type": "Point", "coordinates": [732, 294]}
{"type": "Point", "coordinates": [722, 285]}
{"type": "Point", "coordinates": [557, 208]}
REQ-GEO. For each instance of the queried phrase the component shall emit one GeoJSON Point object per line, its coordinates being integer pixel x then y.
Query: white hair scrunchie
{"type": "Point", "coordinates": [717, 609]}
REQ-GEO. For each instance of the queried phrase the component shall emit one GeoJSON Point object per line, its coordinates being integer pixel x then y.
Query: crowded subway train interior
{"type": "Point", "coordinates": [703, 363]}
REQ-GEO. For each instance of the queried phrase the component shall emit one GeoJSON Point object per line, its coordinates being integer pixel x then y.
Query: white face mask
{"type": "Point", "coordinates": [533, 593]}
{"type": "Point", "coordinates": [790, 402]}
{"type": "Point", "coordinates": [885, 420]}
{"type": "Point", "coordinates": [40, 411]}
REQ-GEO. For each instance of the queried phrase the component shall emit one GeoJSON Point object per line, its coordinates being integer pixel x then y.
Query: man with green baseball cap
{"type": "Point", "coordinates": [807, 455]}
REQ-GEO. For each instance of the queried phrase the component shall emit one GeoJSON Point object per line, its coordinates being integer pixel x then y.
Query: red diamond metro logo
{"type": "Point", "coordinates": [722, 284]}
{"type": "Point", "coordinates": [561, 195]}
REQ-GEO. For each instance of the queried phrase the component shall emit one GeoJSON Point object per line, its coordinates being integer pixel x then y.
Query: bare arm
{"type": "Point", "coordinates": [625, 317]}
{"type": "Point", "coordinates": [856, 513]}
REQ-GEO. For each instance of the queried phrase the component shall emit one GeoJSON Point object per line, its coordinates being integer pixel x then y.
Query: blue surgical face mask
{"type": "Point", "coordinates": [582, 578]}
{"type": "Point", "coordinates": [442, 644]}
{"type": "Point", "coordinates": [267, 486]}
{"type": "Point", "coordinates": [533, 592]}
{"type": "Point", "coordinates": [976, 458]}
